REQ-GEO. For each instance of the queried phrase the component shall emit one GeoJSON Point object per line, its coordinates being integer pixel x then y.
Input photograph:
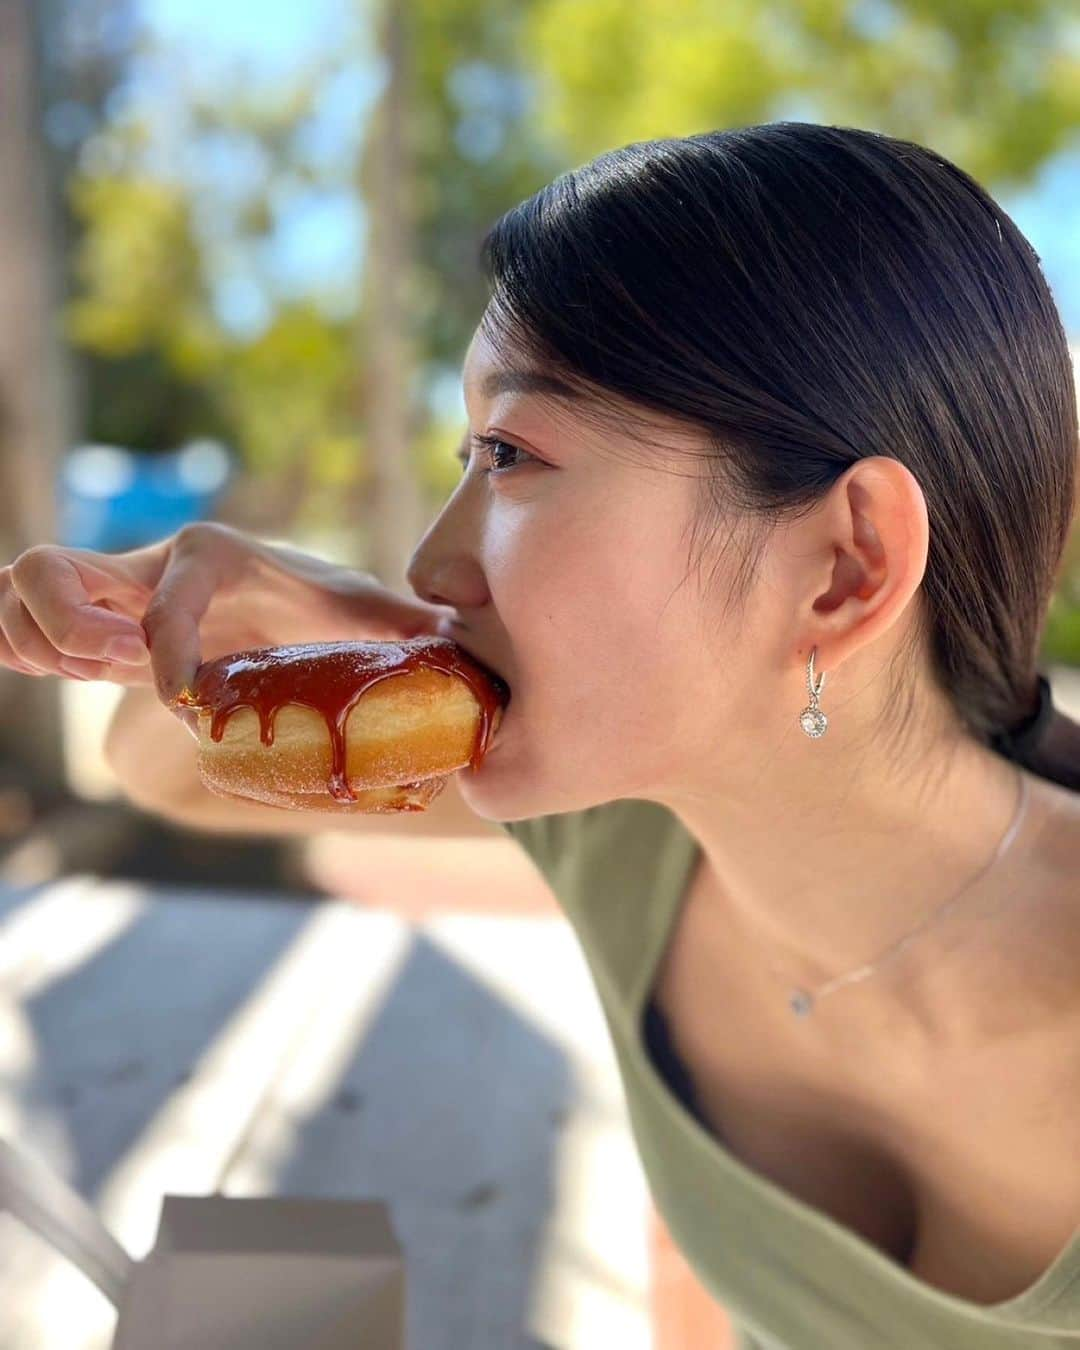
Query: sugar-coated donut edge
{"type": "Point", "coordinates": [403, 738]}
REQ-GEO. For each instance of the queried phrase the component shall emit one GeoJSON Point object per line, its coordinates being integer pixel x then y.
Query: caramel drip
{"type": "Point", "coordinates": [331, 677]}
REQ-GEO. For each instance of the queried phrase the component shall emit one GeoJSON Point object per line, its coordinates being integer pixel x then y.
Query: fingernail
{"type": "Point", "coordinates": [190, 720]}
{"type": "Point", "coordinates": [129, 650]}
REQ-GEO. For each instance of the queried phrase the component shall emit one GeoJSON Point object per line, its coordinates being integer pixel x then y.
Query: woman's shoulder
{"type": "Point", "coordinates": [616, 870]}
{"type": "Point", "coordinates": [564, 842]}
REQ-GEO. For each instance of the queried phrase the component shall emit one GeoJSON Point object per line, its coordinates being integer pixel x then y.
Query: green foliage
{"type": "Point", "coordinates": [140, 274]}
{"type": "Point", "coordinates": [992, 84]}
{"type": "Point", "coordinates": [504, 96]}
{"type": "Point", "coordinates": [1061, 640]}
{"type": "Point", "coordinates": [286, 392]}
{"type": "Point", "coordinates": [142, 402]}
{"type": "Point", "coordinates": [439, 470]}
{"type": "Point", "coordinates": [477, 149]}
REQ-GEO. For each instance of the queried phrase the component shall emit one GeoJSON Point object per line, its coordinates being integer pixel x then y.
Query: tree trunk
{"type": "Point", "coordinates": [35, 389]}
{"type": "Point", "coordinates": [398, 511]}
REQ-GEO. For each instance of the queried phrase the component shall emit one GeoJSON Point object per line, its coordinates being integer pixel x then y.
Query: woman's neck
{"type": "Point", "coordinates": [821, 877]}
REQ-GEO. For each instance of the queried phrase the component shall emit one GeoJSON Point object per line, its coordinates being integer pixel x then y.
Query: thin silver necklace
{"type": "Point", "coordinates": [802, 1001]}
{"type": "Point", "coordinates": [814, 723]}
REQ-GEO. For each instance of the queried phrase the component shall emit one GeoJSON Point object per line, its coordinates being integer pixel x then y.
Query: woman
{"type": "Point", "coordinates": [769, 471]}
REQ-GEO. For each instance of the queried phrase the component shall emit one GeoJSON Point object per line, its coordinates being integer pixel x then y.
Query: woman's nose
{"type": "Point", "coordinates": [446, 576]}
{"type": "Point", "coordinates": [429, 594]}
{"type": "Point", "coordinates": [417, 576]}
{"type": "Point", "coordinates": [430, 578]}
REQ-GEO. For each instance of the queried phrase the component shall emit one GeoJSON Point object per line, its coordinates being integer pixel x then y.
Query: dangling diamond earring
{"type": "Point", "coordinates": [812, 720]}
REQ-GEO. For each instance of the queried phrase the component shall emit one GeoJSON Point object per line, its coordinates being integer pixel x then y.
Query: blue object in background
{"type": "Point", "coordinates": [111, 499]}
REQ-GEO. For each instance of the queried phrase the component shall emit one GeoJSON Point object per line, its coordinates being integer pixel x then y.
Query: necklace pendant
{"type": "Point", "coordinates": [801, 1003]}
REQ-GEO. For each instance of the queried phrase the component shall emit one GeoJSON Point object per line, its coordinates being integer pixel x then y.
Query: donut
{"type": "Point", "coordinates": [343, 726]}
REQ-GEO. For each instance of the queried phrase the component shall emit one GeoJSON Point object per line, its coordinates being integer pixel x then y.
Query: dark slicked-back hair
{"type": "Point", "coordinates": [804, 296]}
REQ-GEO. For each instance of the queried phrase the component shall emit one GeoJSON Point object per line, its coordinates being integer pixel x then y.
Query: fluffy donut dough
{"type": "Point", "coordinates": [403, 738]}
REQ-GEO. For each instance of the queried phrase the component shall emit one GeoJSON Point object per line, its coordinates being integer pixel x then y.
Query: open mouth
{"type": "Point", "coordinates": [447, 630]}
{"type": "Point", "coordinates": [503, 687]}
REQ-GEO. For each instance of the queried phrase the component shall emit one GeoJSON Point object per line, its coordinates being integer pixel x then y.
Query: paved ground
{"type": "Point", "coordinates": [156, 1041]}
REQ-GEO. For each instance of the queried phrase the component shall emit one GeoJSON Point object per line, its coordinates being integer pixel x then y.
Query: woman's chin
{"type": "Point", "coordinates": [479, 787]}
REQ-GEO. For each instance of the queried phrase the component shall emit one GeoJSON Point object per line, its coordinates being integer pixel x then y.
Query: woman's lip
{"type": "Point", "coordinates": [445, 627]}
{"type": "Point", "coordinates": [496, 735]}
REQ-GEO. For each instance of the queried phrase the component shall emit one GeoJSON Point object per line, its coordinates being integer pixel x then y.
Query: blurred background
{"type": "Point", "coordinates": [238, 263]}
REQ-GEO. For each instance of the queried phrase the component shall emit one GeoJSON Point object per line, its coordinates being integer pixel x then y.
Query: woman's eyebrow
{"type": "Point", "coordinates": [526, 382]}
{"type": "Point", "coordinates": [518, 381]}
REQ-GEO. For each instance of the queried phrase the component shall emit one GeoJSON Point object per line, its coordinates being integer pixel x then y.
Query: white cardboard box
{"type": "Point", "coordinates": [229, 1272]}
{"type": "Point", "coordinates": [267, 1273]}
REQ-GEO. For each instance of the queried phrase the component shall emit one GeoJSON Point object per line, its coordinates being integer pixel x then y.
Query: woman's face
{"type": "Point", "coordinates": [566, 565]}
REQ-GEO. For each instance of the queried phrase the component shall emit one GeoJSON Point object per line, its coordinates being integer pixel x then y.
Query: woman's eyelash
{"type": "Point", "coordinates": [492, 443]}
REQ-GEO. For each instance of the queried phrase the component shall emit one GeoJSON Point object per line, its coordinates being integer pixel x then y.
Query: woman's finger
{"type": "Point", "coordinates": [30, 646]}
{"type": "Point", "coordinates": [172, 621]}
{"type": "Point", "coordinates": [21, 635]}
{"type": "Point", "coordinates": [9, 654]}
{"type": "Point", "coordinates": [52, 589]}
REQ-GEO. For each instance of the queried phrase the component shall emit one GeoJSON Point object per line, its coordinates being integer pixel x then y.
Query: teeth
{"type": "Point", "coordinates": [496, 727]}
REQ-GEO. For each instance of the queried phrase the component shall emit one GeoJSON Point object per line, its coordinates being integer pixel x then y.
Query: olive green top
{"type": "Point", "coordinates": [789, 1276]}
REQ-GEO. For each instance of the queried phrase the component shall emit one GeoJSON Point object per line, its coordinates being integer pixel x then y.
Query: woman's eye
{"type": "Point", "coordinates": [499, 450]}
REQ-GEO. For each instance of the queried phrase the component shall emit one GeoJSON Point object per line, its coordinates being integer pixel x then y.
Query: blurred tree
{"type": "Point", "coordinates": [449, 147]}
{"type": "Point", "coordinates": [387, 180]}
{"type": "Point", "coordinates": [85, 51]}
{"type": "Point", "coordinates": [147, 256]}
{"type": "Point", "coordinates": [499, 98]}
{"type": "Point", "coordinates": [1062, 639]}
{"type": "Point", "coordinates": [994, 86]}
{"type": "Point", "coordinates": [288, 395]}
{"type": "Point", "coordinates": [141, 313]}
{"type": "Point", "coordinates": [479, 147]}
{"type": "Point", "coordinates": [35, 388]}
{"type": "Point", "coordinates": [165, 367]}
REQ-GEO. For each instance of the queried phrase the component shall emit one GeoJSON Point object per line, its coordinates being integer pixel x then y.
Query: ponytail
{"type": "Point", "coordinates": [1046, 742]}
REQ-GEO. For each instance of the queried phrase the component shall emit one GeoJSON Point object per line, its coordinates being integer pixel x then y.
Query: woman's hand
{"type": "Point", "coordinates": [154, 614]}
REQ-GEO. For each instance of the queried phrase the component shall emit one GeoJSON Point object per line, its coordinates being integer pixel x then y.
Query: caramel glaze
{"type": "Point", "coordinates": [330, 677]}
